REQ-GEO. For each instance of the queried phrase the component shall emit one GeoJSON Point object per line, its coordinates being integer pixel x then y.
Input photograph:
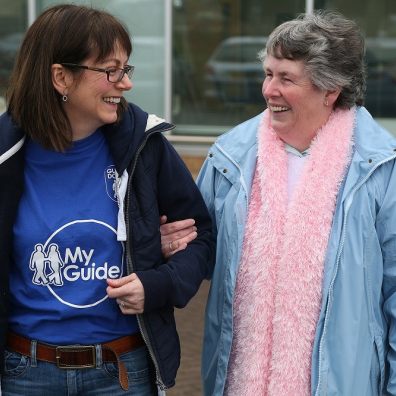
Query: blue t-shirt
{"type": "Point", "coordinates": [65, 247]}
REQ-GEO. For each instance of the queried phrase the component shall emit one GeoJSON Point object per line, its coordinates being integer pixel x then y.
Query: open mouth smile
{"type": "Point", "coordinates": [112, 99]}
{"type": "Point", "coordinates": [278, 109]}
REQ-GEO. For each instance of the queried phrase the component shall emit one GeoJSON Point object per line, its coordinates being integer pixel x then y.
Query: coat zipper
{"type": "Point", "coordinates": [130, 266]}
{"type": "Point", "coordinates": [348, 204]}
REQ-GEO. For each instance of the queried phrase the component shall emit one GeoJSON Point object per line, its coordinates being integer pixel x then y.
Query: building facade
{"type": "Point", "coordinates": [196, 60]}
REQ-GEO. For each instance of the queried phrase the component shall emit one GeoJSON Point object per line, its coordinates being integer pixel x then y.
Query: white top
{"type": "Point", "coordinates": [295, 164]}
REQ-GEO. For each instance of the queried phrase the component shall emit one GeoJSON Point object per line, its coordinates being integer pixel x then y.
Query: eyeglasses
{"type": "Point", "coordinates": [114, 74]}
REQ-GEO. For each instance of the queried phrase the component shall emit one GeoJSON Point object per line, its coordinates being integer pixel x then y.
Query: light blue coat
{"type": "Point", "coordinates": [354, 352]}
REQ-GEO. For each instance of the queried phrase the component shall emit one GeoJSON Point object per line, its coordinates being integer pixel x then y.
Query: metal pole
{"type": "Point", "coordinates": [31, 11]}
{"type": "Point", "coordinates": [168, 61]}
{"type": "Point", "coordinates": [309, 6]}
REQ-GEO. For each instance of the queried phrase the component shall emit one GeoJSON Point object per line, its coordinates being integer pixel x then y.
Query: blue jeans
{"type": "Point", "coordinates": [25, 376]}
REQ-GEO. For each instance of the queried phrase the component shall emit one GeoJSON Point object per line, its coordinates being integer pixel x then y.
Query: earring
{"type": "Point", "coordinates": [326, 102]}
{"type": "Point", "coordinates": [65, 98]}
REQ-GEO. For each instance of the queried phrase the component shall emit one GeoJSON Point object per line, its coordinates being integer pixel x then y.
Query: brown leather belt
{"type": "Point", "coordinates": [78, 356]}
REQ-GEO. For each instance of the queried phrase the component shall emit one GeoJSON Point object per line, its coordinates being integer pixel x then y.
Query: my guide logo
{"type": "Point", "coordinates": [110, 176]}
{"type": "Point", "coordinates": [75, 261]}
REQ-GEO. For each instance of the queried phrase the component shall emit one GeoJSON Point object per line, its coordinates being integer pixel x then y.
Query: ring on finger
{"type": "Point", "coordinates": [170, 246]}
{"type": "Point", "coordinates": [122, 305]}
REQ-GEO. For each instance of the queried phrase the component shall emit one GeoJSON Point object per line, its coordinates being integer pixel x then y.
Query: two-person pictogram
{"type": "Point", "coordinates": [46, 265]}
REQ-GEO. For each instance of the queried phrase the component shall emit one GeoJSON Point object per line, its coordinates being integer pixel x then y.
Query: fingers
{"type": "Point", "coordinates": [129, 294]}
{"type": "Point", "coordinates": [176, 226]}
{"type": "Point", "coordinates": [129, 309]}
{"type": "Point", "coordinates": [177, 235]}
{"type": "Point", "coordinates": [170, 248]}
{"type": "Point", "coordinates": [181, 246]}
{"type": "Point", "coordinates": [121, 281]}
{"type": "Point", "coordinates": [183, 236]}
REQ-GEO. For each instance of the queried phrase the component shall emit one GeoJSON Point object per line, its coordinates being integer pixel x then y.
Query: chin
{"type": "Point", "coordinates": [110, 119]}
{"type": "Point", "coordinates": [279, 128]}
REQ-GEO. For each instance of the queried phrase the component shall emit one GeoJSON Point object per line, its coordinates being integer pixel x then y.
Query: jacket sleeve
{"type": "Point", "coordinates": [386, 229]}
{"type": "Point", "coordinates": [176, 281]}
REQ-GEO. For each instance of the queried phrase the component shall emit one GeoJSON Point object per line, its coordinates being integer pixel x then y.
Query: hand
{"type": "Point", "coordinates": [177, 235]}
{"type": "Point", "coordinates": [129, 292]}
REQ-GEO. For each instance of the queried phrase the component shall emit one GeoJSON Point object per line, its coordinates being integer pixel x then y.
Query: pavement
{"type": "Point", "coordinates": [190, 327]}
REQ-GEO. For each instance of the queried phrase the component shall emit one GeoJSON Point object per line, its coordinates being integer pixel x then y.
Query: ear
{"type": "Point", "coordinates": [331, 97]}
{"type": "Point", "coordinates": [62, 78]}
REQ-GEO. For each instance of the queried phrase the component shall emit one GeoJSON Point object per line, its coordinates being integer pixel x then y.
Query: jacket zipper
{"type": "Point", "coordinates": [130, 266]}
{"type": "Point", "coordinates": [348, 203]}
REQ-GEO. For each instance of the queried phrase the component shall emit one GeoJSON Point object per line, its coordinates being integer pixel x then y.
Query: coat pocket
{"type": "Point", "coordinates": [377, 372]}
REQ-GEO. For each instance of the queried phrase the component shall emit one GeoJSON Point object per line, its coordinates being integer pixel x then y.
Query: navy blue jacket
{"type": "Point", "coordinates": [159, 183]}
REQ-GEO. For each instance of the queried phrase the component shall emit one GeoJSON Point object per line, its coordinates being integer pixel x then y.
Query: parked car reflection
{"type": "Point", "coordinates": [234, 75]}
{"type": "Point", "coordinates": [9, 46]}
{"type": "Point", "coordinates": [381, 76]}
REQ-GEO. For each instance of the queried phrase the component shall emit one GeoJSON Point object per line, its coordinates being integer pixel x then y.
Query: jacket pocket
{"type": "Point", "coordinates": [377, 372]}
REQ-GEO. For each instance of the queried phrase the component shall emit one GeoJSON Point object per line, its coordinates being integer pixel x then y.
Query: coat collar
{"type": "Point", "coordinates": [235, 153]}
{"type": "Point", "coordinates": [123, 137]}
{"type": "Point", "coordinates": [11, 137]}
{"type": "Point", "coordinates": [373, 145]}
{"type": "Point", "coordinates": [126, 136]}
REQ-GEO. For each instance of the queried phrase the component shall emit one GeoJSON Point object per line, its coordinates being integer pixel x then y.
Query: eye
{"type": "Point", "coordinates": [112, 71]}
{"type": "Point", "coordinates": [286, 80]}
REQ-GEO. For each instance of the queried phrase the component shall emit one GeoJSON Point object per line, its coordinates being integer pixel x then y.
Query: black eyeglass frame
{"type": "Point", "coordinates": [127, 69]}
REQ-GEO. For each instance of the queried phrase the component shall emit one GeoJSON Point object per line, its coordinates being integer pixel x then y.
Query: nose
{"type": "Point", "coordinates": [125, 84]}
{"type": "Point", "coordinates": [270, 88]}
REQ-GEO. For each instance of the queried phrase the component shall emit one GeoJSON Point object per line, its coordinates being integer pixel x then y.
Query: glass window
{"type": "Point", "coordinates": [13, 22]}
{"type": "Point", "coordinates": [378, 23]}
{"type": "Point", "coordinates": [217, 77]}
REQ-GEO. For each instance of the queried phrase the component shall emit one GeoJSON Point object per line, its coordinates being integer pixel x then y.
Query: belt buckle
{"type": "Point", "coordinates": [67, 349]}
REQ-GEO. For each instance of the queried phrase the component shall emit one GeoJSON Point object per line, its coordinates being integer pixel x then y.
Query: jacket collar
{"type": "Point", "coordinates": [371, 140]}
{"type": "Point", "coordinates": [240, 140]}
{"type": "Point", "coordinates": [373, 145]}
{"type": "Point", "coordinates": [126, 136]}
{"type": "Point", "coordinates": [236, 153]}
{"type": "Point", "coordinates": [11, 137]}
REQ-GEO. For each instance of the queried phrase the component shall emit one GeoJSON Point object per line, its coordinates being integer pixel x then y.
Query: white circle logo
{"type": "Point", "coordinates": [76, 273]}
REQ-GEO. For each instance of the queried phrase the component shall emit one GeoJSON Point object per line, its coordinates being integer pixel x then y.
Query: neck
{"type": "Point", "coordinates": [79, 135]}
{"type": "Point", "coordinates": [301, 140]}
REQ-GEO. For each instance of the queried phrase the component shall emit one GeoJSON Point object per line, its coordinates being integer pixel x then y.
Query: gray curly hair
{"type": "Point", "coordinates": [332, 48]}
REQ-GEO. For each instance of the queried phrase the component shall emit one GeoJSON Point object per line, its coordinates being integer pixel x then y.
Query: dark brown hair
{"type": "Point", "coordinates": [62, 34]}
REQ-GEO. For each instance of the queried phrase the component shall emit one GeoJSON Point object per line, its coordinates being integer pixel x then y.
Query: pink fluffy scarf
{"type": "Point", "coordinates": [279, 284]}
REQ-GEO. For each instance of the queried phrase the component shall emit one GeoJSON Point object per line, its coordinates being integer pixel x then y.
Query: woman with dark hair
{"type": "Point", "coordinates": [85, 179]}
{"type": "Point", "coordinates": [303, 200]}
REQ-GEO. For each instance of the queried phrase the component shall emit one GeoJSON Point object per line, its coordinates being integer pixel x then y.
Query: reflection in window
{"type": "Point", "coordinates": [217, 77]}
{"type": "Point", "coordinates": [378, 23]}
{"type": "Point", "coordinates": [13, 21]}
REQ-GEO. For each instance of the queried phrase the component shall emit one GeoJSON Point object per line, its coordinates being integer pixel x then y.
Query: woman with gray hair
{"type": "Point", "coordinates": [303, 198]}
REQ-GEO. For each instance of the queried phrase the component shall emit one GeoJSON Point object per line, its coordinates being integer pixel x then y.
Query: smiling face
{"type": "Point", "coordinates": [92, 100]}
{"type": "Point", "coordinates": [297, 108]}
